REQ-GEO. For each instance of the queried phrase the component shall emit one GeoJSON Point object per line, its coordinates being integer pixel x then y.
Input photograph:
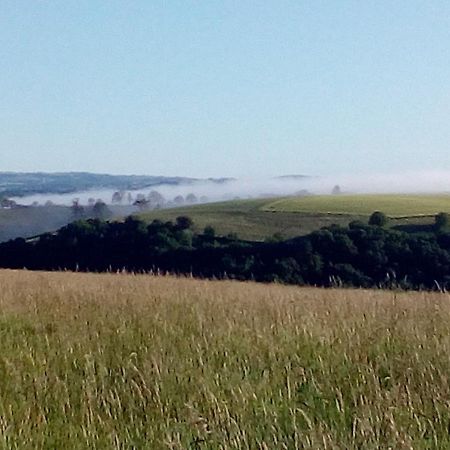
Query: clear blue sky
{"type": "Point", "coordinates": [232, 88]}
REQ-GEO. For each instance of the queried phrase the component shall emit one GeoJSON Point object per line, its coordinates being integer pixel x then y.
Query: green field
{"type": "Point", "coordinates": [295, 216]}
{"type": "Point", "coordinates": [395, 206]}
{"type": "Point", "coordinates": [140, 362]}
{"type": "Point", "coordinates": [249, 220]}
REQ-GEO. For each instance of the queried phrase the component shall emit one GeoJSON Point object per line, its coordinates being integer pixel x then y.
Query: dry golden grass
{"type": "Point", "coordinates": [123, 361]}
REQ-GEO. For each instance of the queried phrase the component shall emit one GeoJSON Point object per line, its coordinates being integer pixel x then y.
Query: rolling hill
{"type": "Point", "coordinates": [249, 219]}
{"type": "Point", "coordinates": [295, 216]}
{"type": "Point", "coordinates": [256, 219]}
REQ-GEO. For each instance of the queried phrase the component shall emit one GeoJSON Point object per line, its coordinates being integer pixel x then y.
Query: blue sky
{"type": "Point", "coordinates": [224, 88]}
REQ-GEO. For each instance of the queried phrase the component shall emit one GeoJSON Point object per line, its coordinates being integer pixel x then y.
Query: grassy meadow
{"type": "Point", "coordinates": [395, 206]}
{"type": "Point", "coordinates": [296, 216]}
{"type": "Point", "coordinates": [132, 361]}
{"type": "Point", "coordinates": [250, 220]}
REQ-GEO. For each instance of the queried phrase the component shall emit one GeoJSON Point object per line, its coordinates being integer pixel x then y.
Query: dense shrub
{"type": "Point", "coordinates": [378, 219]}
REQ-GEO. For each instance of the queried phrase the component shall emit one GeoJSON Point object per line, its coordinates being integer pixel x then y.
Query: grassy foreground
{"type": "Point", "coordinates": [122, 361]}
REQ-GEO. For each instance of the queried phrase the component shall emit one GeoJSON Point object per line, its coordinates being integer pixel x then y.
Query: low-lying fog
{"type": "Point", "coordinates": [208, 191]}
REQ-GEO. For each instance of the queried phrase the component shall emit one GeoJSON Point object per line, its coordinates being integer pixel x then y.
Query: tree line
{"type": "Point", "coordinates": [360, 255]}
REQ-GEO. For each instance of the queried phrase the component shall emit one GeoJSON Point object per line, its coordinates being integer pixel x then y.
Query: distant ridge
{"type": "Point", "coordinates": [17, 184]}
{"type": "Point", "coordinates": [293, 177]}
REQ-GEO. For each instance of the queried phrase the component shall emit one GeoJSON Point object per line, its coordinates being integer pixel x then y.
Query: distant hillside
{"type": "Point", "coordinates": [249, 220]}
{"type": "Point", "coordinates": [21, 184]}
{"type": "Point", "coordinates": [295, 216]}
{"type": "Point", "coordinates": [292, 177]}
{"type": "Point", "coordinates": [31, 221]}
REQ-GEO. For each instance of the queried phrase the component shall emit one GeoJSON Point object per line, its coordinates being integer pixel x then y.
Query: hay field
{"type": "Point", "coordinates": [395, 206]}
{"type": "Point", "coordinates": [123, 361]}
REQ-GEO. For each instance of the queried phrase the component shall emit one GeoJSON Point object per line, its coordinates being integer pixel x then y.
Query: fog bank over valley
{"type": "Point", "coordinates": [408, 182]}
{"type": "Point", "coordinates": [169, 195]}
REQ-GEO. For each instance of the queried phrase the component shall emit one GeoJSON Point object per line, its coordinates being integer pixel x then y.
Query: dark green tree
{"type": "Point", "coordinates": [77, 210]}
{"type": "Point", "coordinates": [100, 210]}
{"type": "Point", "coordinates": [378, 219]}
{"type": "Point", "coordinates": [209, 232]}
{"type": "Point", "coordinates": [441, 221]}
{"type": "Point", "coordinates": [184, 222]}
